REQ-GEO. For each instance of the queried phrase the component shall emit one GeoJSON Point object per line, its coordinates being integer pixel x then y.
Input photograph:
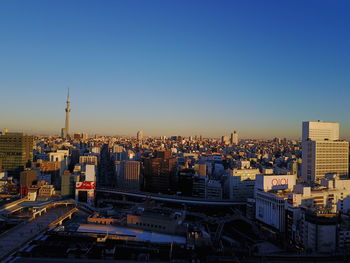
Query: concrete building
{"type": "Point", "coordinates": [199, 186]}
{"type": "Point", "coordinates": [68, 184]}
{"type": "Point", "coordinates": [27, 178]}
{"type": "Point", "coordinates": [139, 136]}
{"type": "Point", "coordinates": [320, 131]}
{"type": "Point", "coordinates": [213, 190]}
{"type": "Point", "coordinates": [46, 190]}
{"type": "Point", "coordinates": [323, 157]}
{"type": "Point", "coordinates": [85, 192]}
{"type": "Point", "coordinates": [128, 175]}
{"type": "Point", "coordinates": [160, 172]}
{"type": "Point", "coordinates": [271, 193]}
{"type": "Point", "coordinates": [16, 151]}
{"type": "Point", "coordinates": [240, 183]}
{"type": "Point", "coordinates": [225, 140]}
{"type": "Point", "coordinates": [234, 138]}
{"type": "Point", "coordinates": [89, 171]}
{"type": "Point", "coordinates": [62, 157]}
{"type": "Point", "coordinates": [88, 159]}
{"type": "Point", "coordinates": [322, 151]}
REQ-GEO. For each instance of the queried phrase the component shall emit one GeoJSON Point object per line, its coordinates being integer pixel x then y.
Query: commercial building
{"type": "Point", "coordinates": [271, 193]}
{"type": "Point", "coordinates": [68, 184]}
{"type": "Point", "coordinates": [88, 159]}
{"type": "Point", "coordinates": [160, 172]}
{"type": "Point", "coordinates": [213, 190]}
{"type": "Point", "coordinates": [16, 151]}
{"type": "Point", "coordinates": [27, 178]}
{"type": "Point", "coordinates": [128, 175]}
{"type": "Point", "coordinates": [322, 151]}
{"type": "Point", "coordinates": [139, 136]}
{"type": "Point", "coordinates": [234, 138]}
{"type": "Point", "coordinates": [85, 192]}
{"type": "Point", "coordinates": [240, 183]}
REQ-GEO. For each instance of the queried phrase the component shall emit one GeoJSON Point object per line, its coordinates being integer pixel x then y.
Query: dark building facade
{"type": "Point", "coordinates": [16, 151]}
{"type": "Point", "coordinates": [159, 172]}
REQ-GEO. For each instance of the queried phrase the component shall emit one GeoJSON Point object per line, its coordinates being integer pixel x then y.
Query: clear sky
{"type": "Point", "coordinates": [175, 67]}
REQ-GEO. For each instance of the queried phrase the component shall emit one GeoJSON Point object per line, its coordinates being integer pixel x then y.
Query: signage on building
{"type": "Point", "coordinates": [85, 185]}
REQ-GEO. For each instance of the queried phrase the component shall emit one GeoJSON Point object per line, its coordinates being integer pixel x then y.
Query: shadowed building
{"type": "Point", "coordinates": [128, 175]}
{"type": "Point", "coordinates": [16, 151]}
{"type": "Point", "coordinates": [160, 172]}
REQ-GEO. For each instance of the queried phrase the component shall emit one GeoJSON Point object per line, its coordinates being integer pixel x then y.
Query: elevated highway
{"type": "Point", "coordinates": [14, 238]}
{"type": "Point", "coordinates": [169, 198]}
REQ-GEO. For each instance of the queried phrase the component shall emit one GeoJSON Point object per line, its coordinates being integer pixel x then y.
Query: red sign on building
{"type": "Point", "coordinates": [85, 185]}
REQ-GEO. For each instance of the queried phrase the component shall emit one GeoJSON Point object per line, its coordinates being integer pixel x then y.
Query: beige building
{"type": "Point", "coordinates": [322, 151]}
{"type": "Point", "coordinates": [240, 184]}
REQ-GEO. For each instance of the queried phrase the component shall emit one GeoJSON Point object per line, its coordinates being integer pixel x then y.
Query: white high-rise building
{"type": "Point", "coordinates": [320, 131]}
{"type": "Point", "coordinates": [234, 138]}
{"type": "Point", "coordinates": [139, 136]}
{"type": "Point", "coordinates": [323, 152]}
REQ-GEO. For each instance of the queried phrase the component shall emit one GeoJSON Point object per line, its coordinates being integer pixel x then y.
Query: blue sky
{"type": "Point", "coordinates": [175, 67]}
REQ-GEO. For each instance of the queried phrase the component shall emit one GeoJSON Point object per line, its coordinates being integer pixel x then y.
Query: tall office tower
{"type": "Point", "coordinates": [319, 131]}
{"type": "Point", "coordinates": [16, 150]}
{"type": "Point", "coordinates": [128, 175]}
{"type": "Point", "coordinates": [322, 151]}
{"type": "Point", "coordinates": [139, 136]}
{"type": "Point", "coordinates": [66, 129]}
{"type": "Point", "coordinates": [160, 172]}
{"type": "Point", "coordinates": [234, 138]}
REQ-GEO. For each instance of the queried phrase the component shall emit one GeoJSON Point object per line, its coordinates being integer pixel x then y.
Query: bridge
{"type": "Point", "coordinates": [14, 238]}
{"type": "Point", "coordinates": [170, 198]}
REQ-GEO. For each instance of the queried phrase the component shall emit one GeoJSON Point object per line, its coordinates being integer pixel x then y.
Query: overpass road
{"type": "Point", "coordinates": [14, 238]}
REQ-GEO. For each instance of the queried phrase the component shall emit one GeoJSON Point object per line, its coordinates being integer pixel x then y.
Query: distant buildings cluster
{"type": "Point", "coordinates": [297, 190]}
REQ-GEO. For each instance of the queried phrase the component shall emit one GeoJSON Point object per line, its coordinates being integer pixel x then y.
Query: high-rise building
{"type": "Point", "coordinates": [234, 138]}
{"type": "Point", "coordinates": [322, 151]}
{"type": "Point", "coordinates": [320, 131]}
{"type": "Point", "coordinates": [16, 150]}
{"type": "Point", "coordinates": [65, 131]}
{"type": "Point", "coordinates": [128, 175]}
{"type": "Point", "coordinates": [139, 136]}
{"type": "Point", "coordinates": [160, 172]}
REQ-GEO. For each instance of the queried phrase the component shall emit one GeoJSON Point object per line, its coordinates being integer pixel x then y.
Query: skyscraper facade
{"type": "Point", "coordinates": [234, 138]}
{"type": "Point", "coordinates": [139, 136]}
{"type": "Point", "coordinates": [160, 172]}
{"type": "Point", "coordinates": [322, 151]}
{"type": "Point", "coordinates": [16, 150]}
{"type": "Point", "coordinates": [128, 175]}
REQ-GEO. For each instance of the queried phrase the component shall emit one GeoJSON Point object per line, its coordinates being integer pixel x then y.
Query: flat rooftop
{"type": "Point", "coordinates": [131, 233]}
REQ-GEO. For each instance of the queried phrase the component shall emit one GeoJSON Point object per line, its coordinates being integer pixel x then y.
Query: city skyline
{"type": "Point", "coordinates": [175, 68]}
{"type": "Point", "coordinates": [64, 134]}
